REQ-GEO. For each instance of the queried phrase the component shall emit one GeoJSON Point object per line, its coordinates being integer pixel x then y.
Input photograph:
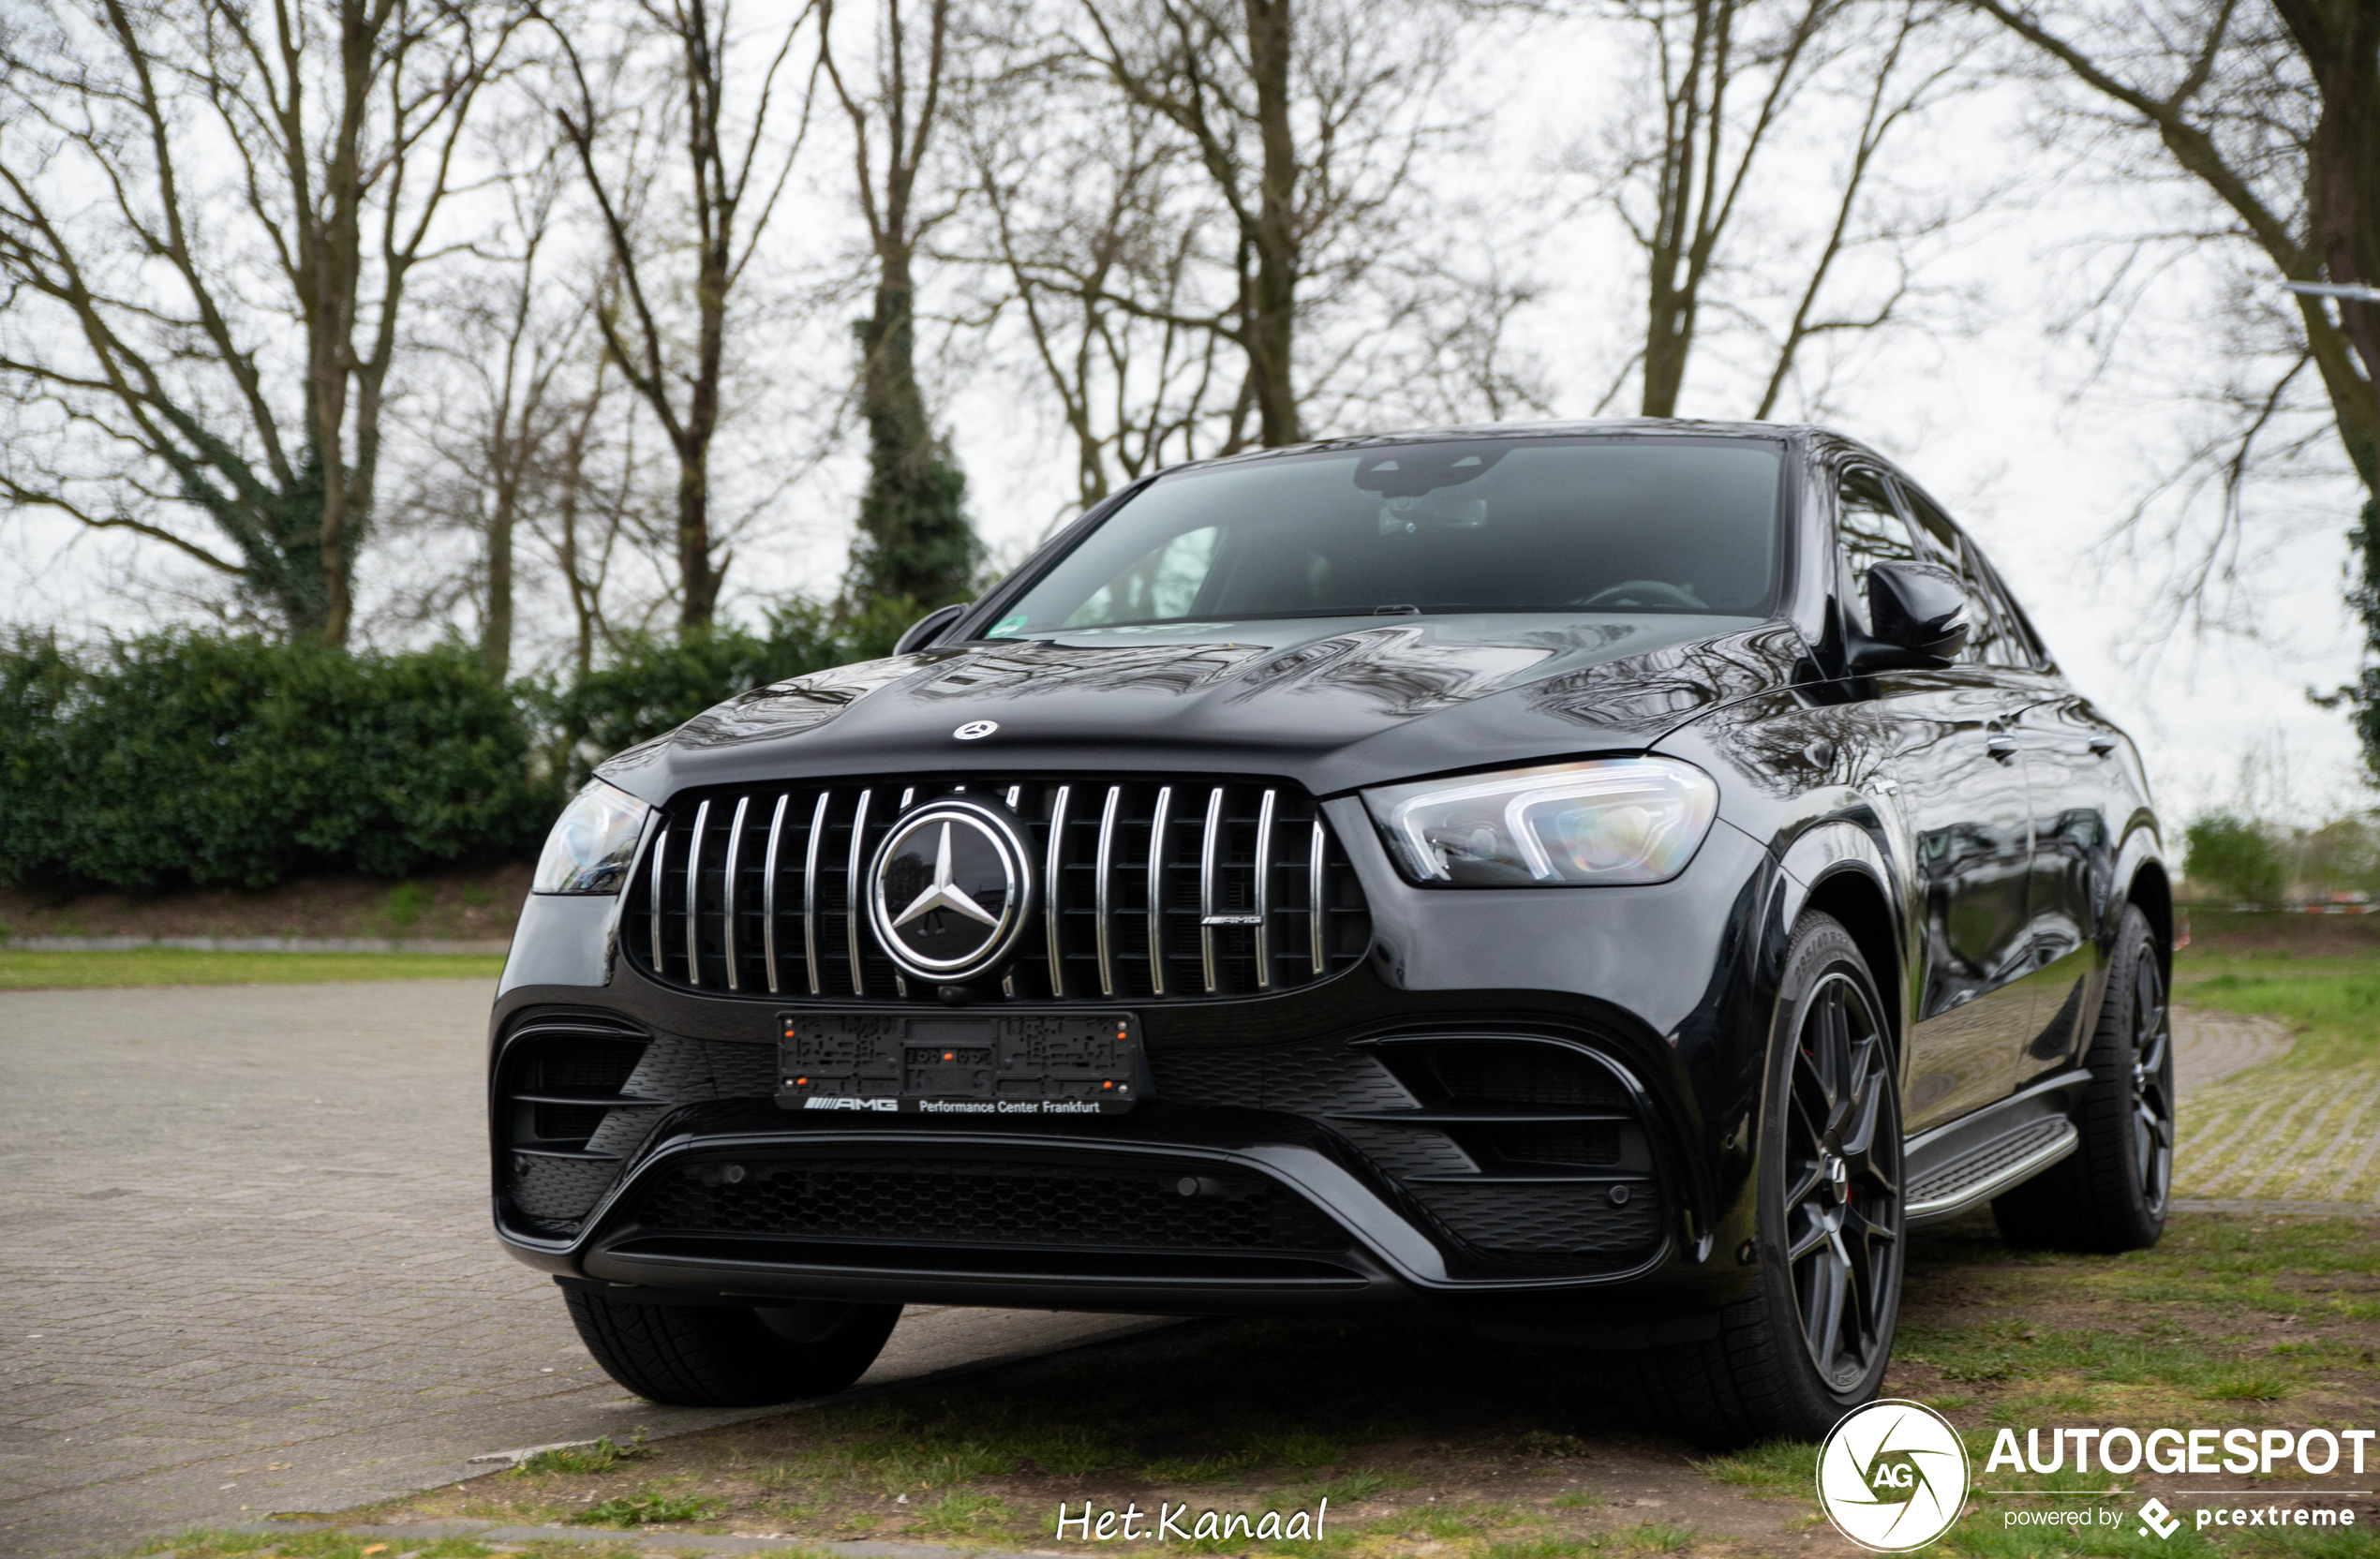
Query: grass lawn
{"type": "Point", "coordinates": [178, 966]}
{"type": "Point", "coordinates": [1434, 1444]}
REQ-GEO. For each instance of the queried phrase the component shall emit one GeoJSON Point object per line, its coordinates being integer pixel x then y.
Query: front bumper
{"type": "Point", "coordinates": [1353, 1200]}
{"type": "Point", "coordinates": [1283, 1092]}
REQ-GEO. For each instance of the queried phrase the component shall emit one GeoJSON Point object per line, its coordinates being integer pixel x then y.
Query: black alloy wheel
{"type": "Point", "coordinates": [2112, 1192]}
{"type": "Point", "coordinates": [1842, 1203]}
{"type": "Point", "coordinates": [1812, 1336]}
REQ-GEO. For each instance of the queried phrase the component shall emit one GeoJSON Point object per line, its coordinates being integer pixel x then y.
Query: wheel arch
{"type": "Point", "coordinates": [1839, 869]}
{"type": "Point", "coordinates": [2140, 867]}
{"type": "Point", "coordinates": [2152, 892]}
{"type": "Point", "coordinates": [1857, 901]}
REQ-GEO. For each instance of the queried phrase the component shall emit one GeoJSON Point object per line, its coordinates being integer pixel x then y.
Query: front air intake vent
{"type": "Point", "coordinates": [558, 1082]}
{"type": "Point", "coordinates": [1149, 890]}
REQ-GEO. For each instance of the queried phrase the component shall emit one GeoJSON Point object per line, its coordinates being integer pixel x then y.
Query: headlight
{"type": "Point", "coordinates": [594, 842]}
{"type": "Point", "coordinates": [1613, 820]}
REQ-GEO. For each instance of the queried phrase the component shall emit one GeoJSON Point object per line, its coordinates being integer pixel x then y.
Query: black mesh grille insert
{"type": "Point", "coordinates": [1550, 1226]}
{"type": "Point", "coordinates": [991, 1204]}
{"type": "Point", "coordinates": [772, 907]}
{"type": "Point", "coordinates": [1595, 1142]}
{"type": "Point", "coordinates": [1524, 1074]}
{"type": "Point", "coordinates": [573, 1122]}
{"type": "Point", "coordinates": [581, 1060]}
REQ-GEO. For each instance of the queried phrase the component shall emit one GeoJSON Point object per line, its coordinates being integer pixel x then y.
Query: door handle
{"type": "Point", "coordinates": [2101, 746]}
{"type": "Point", "coordinates": [2001, 748]}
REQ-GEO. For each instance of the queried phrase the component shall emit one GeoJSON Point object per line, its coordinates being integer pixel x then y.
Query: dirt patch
{"type": "Point", "coordinates": [2298, 934]}
{"type": "Point", "coordinates": [457, 906]}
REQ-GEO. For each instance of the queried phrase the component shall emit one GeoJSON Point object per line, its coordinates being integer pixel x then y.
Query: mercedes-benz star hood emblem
{"type": "Point", "coordinates": [951, 888]}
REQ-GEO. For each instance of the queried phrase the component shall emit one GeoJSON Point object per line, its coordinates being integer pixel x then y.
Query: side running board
{"type": "Point", "coordinates": [1969, 1161]}
{"type": "Point", "coordinates": [1989, 1170]}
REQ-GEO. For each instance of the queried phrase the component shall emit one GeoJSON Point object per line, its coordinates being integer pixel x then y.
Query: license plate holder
{"type": "Point", "coordinates": [1005, 1064]}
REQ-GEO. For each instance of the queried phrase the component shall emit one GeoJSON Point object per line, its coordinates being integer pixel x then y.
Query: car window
{"type": "Point", "coordinates": [2018, 644]}
{"type": "Point", "coordinates": [1992, 642]}
{"type": "Point", "coordinates": [1612, 525]}
{"type": "Point", "coordinates": [1162, 582]}
{"type": "Point", "coordinates": [1870, 531]}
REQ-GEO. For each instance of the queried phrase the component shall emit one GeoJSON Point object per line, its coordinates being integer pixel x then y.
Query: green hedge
{"type": "Point", "coordinates": [195, 758]}
{"type": "Point", "coordinates": [188, 757]}
{"type": "Point", "coordinates": [651, 684]}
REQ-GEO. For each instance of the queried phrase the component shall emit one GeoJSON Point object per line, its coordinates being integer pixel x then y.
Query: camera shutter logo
{"type": "Point", "coordinates": [1893, 1476]}
{"type": "Point", "coordinates": [951, 889]}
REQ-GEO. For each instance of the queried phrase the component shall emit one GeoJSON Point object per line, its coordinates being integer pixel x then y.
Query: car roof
{"type": "Point", "coordinates": [1683, 427]}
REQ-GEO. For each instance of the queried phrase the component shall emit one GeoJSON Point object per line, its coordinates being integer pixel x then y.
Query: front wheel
{"type": "Point", "coordinates": [1812, 1341]}
{"type": "Point", "coordinates": [728, 1355]}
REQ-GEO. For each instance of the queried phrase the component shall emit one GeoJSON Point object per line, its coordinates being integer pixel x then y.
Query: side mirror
{"type": "Point", "coordinates": [1919, 611]}
{"type": "Point", "coordinates": [922, 631]}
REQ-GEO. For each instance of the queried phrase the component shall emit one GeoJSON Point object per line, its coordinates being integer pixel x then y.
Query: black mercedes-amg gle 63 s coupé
{"type": "Point", "coordinates": [1604, 882]}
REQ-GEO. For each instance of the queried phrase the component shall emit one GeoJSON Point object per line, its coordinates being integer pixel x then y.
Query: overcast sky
{"type": "Point", "coordinates": [1987, 417]}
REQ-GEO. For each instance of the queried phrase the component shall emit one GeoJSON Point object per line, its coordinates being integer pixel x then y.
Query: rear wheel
{"type": "Point", "coordinates": [727, 1355]}
{"type": "Point", "coordinates": [2110, 1192]}
{"type": "Point", "coordinates": [1812, 1341]}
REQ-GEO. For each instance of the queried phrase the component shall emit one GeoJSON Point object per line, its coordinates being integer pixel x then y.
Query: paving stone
{"type": "Point", "coordinates": [249, 1245]}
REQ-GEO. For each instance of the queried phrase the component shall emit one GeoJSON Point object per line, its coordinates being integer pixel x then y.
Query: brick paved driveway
{"type": "Point", "coordinates": [245, 1265]}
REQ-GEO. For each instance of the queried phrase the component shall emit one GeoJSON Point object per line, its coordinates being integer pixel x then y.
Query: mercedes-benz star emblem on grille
{"type": "Point", "coordinates": [976, 729]}
{"type": "Point", "coordinates": [951, 889]}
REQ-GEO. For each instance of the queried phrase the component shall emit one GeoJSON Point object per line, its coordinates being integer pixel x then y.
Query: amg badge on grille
{"type": "Point", "coordinates": [951, 888]}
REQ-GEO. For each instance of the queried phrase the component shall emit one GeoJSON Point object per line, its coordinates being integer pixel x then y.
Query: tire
{"type": "Point", "coordinates": [725, 1356]}
{"type": "Point", "coordinates": [1828, 1189]}
{"type": "Point", "coordinates": [2111, 1193]}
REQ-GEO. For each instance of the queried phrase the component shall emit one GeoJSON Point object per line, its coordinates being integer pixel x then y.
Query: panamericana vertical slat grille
{"type": "Point", "coordinates": [1152, 890]}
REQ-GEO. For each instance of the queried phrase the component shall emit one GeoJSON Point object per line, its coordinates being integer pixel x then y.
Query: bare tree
{"type": "Point", "coordinates": [1308, 118]}
{"type": "Point", "coordinates": [1749, 91]}
{"type": "Point", "coordinates": [2274, 113]}
{"type": "Point", "coordinates": [1081, 200]}
{"type": "Point", "coordinates": [914, 541]}
{"type": "Point", "coordinates": [1448, 344]}
{"type": "Point", "coordinates": [2265, 117]}
{"type": "Point", "coordinates": [210, 215]}
{"type": "Point", "coordinates": [513, 335]}
{"type": "Point", "coordinates": [1897, 79]}
{"type": "Point", "coordinates": [736, 163]}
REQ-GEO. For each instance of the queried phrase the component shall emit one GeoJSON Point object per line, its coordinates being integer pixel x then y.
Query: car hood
{"type": "Point", "coordinates": [1331, 704]}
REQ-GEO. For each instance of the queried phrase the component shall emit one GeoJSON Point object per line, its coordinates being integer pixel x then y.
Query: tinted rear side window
{"type": "Point", "coordinates": [1651, 526]}
{"type": "Point", "coordinates": [1996, 641]}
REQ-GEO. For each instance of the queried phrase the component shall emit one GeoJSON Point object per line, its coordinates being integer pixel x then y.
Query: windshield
{"type": "Point", "coordinates": [1665, 525]}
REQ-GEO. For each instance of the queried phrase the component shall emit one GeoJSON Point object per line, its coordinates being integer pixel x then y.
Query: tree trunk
{"type": "Point", "coordinates": [496, 628]}
{"type": "Point", "coordinates": [698, 580]}
{"type": "Point", "coordinates": [1271, 313]}
{"type": "Point", "coordinates": [914, 539]}
{"type": "Point", "coordinates": [1669, 298]}
{"type": "Point", "coordinates": [2341, 43]}
{"type": "Point", "coordinates": [1669, 339]}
